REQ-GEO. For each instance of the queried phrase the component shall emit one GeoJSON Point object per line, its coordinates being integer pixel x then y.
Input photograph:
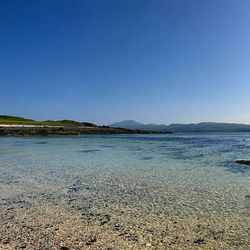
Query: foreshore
{"type": "Point", "coordinates": [124, 192]}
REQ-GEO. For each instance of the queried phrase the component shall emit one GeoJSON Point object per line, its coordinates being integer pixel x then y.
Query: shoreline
{"type": "Point", "coordinates": [38, 130]}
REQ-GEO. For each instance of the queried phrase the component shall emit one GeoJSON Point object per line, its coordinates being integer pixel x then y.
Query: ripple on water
{"type": "Point", "coordinates": [41, 142]}
{"type": "Point", "coordinates": [106, 146]}
{"type": "Point", "coordinates": [147, 158]}
{"type": "Point", "coordinates": [89, 151]}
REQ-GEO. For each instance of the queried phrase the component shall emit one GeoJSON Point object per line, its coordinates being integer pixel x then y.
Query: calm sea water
{"type": "Point", "coordinates": [166, 189]}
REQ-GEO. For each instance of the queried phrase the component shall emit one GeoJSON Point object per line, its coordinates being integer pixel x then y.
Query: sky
{"type": "Point", "coordinates": [159, 61]}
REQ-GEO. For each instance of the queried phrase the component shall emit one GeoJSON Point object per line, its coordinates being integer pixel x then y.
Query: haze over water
{"type": "Point", "coordinates": [180, 191]}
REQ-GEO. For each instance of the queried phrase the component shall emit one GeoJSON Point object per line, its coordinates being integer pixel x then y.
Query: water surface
{"type": "Point", "coordinates": [180, 191]}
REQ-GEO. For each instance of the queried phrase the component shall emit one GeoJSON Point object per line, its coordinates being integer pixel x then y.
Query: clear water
{"type": "Point", "coordinates": [183, 191]}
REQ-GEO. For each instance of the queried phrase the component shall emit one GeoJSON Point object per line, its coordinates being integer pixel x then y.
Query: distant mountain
{"type": "Point", "coordinates": [209, 127]}
{"type": "Point", "coordinates": [131, 124]}
{"type": "Point", "coordinates": [192, 127]}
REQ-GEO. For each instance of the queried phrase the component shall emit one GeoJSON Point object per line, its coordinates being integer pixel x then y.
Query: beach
{"type": "Point", "coordinates": [125, 192]}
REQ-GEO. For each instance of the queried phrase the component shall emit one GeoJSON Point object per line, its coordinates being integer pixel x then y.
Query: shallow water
{"type": "Point", "coordinates": [180, 191]}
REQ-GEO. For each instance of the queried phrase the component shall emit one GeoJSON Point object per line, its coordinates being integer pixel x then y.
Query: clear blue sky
{"type": "Point", "coordinates": [103, 61]}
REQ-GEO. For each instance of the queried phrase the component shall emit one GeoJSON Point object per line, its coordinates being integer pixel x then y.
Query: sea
{"type": "Point", "coordinates": [167, 191]}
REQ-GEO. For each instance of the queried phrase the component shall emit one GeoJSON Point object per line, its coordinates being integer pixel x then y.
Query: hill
{"type": "Point", "coordinates": [15, 120]}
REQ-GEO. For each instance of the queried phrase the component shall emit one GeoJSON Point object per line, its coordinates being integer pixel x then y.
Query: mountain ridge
{"type": "Point", "coordinates": [190, 127]}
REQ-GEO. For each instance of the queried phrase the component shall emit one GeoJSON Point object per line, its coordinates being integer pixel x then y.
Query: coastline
{"type": "Point", "coordinates": [39, 130]}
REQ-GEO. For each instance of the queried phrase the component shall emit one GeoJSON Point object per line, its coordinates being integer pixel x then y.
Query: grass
{"type": "Point", "coordinates": [11, 120]}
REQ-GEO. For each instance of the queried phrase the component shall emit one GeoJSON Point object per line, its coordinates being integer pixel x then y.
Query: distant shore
{"type": "Point", "coordinates": [38, 130]}
{"type": "Point", "coordinates": [18, 126]}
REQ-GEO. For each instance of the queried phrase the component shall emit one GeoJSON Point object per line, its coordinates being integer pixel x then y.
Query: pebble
{"type": "Point", "coordinates": [106, 219]}
{"type": "Point", "coordinates": [6, 241]}
{"type": "Point", "coordinates": [23, 245]}
{"type": "Point", "coordinates": [199, 241]}
{"type": "Point", "coordinates": [64, 248]}
{"type": "Point", "coordinates": [91, 240]}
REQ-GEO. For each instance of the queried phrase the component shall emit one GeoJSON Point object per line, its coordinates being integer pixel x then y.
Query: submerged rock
{"type": "Point", "coordinates": [244, 162]}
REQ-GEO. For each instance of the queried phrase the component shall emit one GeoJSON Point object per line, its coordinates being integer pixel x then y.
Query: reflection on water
{"type": "Point", "coordinates": [179, 191]}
